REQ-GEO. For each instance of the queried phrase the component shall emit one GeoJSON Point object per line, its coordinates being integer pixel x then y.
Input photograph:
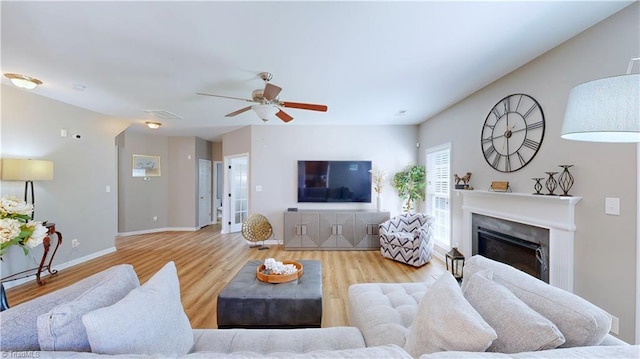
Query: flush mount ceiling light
{"type": "Point", "coordinates": [605, 110]}
{"type": "Point", "coordinates": [22, 81]}
{"type": "Point", "coordinates": [153, 125]}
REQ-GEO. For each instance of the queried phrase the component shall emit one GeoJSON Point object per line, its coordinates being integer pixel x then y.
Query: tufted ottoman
{"type": "Point", "coordinates": [384, 311]}
{"type": "Point", "coordinates": [246, 302]}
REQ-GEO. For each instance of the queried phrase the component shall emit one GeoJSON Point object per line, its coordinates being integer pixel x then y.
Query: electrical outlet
{"type": "Point", "coordinates": [615, 325]}
{"type": "Point", "coordinates": [155, 218]}
{"type": "Point", "coordinates": [74, 243]}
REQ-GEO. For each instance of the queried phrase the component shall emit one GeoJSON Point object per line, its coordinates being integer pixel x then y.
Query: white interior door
{"type": "Point", "coordinates": [204, 193]}
{"type": "Point", "coordinates": [238, 192]}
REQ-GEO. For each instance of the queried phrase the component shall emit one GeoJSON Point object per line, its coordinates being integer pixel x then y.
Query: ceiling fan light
{"type": "Point", "coordinates": [153, 125]}
{"type": "Point", "coordinates": [22, 81]}
{"type": "Point", "coordinates": [265, 112]}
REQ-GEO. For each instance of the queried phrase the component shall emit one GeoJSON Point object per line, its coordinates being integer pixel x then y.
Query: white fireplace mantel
{"type": "Point", "coordinates": [555, 213]}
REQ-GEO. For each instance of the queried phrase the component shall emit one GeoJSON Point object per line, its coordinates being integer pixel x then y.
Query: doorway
{"type": "Point", "coordinates": [218, 191]}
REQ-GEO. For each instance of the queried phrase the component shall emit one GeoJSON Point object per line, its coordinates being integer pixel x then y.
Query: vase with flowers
{"type": "Point", "coordinates": [16, 226]}
{"type": "Point", "coordinates": [379, 178]}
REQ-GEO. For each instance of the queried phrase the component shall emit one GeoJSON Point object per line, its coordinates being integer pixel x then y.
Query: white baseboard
{"type": "Point", "coordinates": [157, 230]}
{"type": "Point", "coordinates": [62, 266]}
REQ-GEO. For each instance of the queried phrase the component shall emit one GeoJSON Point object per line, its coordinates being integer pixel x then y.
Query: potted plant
{"type": "Point", "coordinates": [411, 184]}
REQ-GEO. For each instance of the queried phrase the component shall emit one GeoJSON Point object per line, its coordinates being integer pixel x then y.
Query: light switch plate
{"type": "Point", "coordinates": [612, 206]}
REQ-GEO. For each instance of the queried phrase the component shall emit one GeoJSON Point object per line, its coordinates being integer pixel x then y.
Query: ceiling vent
{"type": "Point", "coordinates": [163, 114]}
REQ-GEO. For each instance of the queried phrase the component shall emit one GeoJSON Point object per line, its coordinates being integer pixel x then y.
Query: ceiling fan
{"type": "Point", "coordinates": [268, 103]}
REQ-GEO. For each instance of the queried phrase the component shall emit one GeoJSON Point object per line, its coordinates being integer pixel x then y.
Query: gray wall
{"type": "Point", "coordinates": [275, 150]}
{"type": "Point", "coordinates": [139, 199]}
{"type": "Point", "coordinates": [605, 246]}
{"type": "Point", "coordinates": [182, 183]}
{"type": "Point", "coordinates": [76, 200]}
{"type": "Point", "coordinates": [173, 196]}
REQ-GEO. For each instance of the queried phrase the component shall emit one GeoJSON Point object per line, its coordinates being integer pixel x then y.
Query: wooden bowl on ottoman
{"type": "Point", "coordinates": [279, 278]}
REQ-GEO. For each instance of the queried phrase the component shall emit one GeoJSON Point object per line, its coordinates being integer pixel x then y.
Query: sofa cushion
{"type": "Point", "coordinates": [592, 352]}
{"type": "Point", "coordinates": [446, 321]}
{"type": "Point", "coordinates": [62, 329]}
{"type": "Point", "coordinates": [19, 323]}
{"type": "Point", "coordinates": [149, 320]}
{"type": "Point", "coordinates": [384, 311]}
{"type": "Point", "coordinates": [581, 322]}
{"type": "Point", "coordinates": [387, 351]}
{"type": "Point", "coordinates": [519, 327]}
{"type": "Point", "coordinates": [277, 340]}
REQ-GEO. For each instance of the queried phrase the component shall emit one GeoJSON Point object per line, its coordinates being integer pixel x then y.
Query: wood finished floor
{"type": "Point", "coordinates": [207, 260]}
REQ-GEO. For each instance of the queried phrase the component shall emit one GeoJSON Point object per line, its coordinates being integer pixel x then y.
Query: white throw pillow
{"type": "Point", "coordinates": [445, 321]}
{"type": "Point", "coordinates": [519, 328]}
{"type": "Point", "coordinates": [581, 322]}
{"type": "Point", "coordinates": [149, 320]}
{"type": "Point", "coordinates": [61, 329]}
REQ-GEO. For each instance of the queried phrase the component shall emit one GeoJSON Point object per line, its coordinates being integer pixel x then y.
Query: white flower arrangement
{"type": "Point", "coordinates": [16, 226]}
{"type": "Point", "coordinates": [379, 179]}
{"type": "Point", "coordinates": [276, 267]}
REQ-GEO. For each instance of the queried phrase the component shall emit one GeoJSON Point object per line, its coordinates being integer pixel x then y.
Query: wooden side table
{"type": "Point", "coordinates": [46, 242]}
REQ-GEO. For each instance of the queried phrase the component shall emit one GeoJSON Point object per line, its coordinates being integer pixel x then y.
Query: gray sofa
{"type": "Point", "coordinates": [111, 314]}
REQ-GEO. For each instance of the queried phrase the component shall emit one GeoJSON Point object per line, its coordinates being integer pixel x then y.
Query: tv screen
{"type": "Point", "coordinates": [334, 181]}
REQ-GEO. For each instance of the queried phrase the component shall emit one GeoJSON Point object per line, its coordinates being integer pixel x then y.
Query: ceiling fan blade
{"type": "Point", "coordinates": [304, 106]}
{"type": "Point", "coordinates": [271, 91]}
{"type": "Point", "coordinates": [233, 98]}
{"type": "Point", "coordinates": [284, 116]}
{"type": "Point", "coordinates": [238, 112]}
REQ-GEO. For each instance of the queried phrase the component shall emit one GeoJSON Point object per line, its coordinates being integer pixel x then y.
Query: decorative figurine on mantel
{"type": "Point", "coordinates": [464, 179]}
{"type": "Point", "coordinates": [565, 180]}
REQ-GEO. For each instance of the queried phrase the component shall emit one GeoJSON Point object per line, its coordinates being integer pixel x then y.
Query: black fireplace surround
{"type": "Point", "coordinates": [520, 245]}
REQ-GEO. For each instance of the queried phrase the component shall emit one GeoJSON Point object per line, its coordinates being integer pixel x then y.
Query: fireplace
{"type": "Point", "coordinates": [554, 215]}
{"type": "Point", "coordinates": [522, 246]}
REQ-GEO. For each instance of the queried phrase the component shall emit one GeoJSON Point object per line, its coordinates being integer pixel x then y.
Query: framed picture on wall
{"type": "Point", "coordinates": [144, 166]}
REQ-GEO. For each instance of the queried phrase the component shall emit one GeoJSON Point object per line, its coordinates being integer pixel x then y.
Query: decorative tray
{"type": "Point", "coordinates": [279, 278]}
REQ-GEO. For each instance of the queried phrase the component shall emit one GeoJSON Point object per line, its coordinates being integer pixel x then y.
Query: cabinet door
{"type": "Point", "coordinates": [300, 230]}
{"type": "Point", "coordinates": [336, 230]}
{"type": "Point", "coordinates": [366, 229]}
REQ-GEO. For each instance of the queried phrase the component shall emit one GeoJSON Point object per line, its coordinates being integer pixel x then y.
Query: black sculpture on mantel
{"type": "Point", "coordinates": [538, 185]}
{"type": "Point", "coordinates": [565, 180]}
{"type": "Point", "coordinates": [551, 183]}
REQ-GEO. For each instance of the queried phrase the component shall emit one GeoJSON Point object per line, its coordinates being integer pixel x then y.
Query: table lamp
{"type": "Point", "coordinates": [28, 171]}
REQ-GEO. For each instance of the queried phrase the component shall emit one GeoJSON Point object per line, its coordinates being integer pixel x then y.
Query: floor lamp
{"type": "Point", "coordinates": [28, 171]}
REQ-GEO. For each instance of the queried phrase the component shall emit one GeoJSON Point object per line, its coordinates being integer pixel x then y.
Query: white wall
{"type": "Point", "coordinates": [76, 200]}
{"type": "Point", "coordinates": [275, 151]}
{"type": "Point", "coordinates": [605, 246]}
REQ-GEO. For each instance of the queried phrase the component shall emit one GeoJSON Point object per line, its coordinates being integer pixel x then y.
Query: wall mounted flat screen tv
{"type": "Point", "coordinates": [334, 181]}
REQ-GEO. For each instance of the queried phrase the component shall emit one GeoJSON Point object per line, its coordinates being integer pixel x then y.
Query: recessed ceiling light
{"type": "Point", "coordinates": [153, 125]}
{"type": "Point", "coordinates": [22, 81]}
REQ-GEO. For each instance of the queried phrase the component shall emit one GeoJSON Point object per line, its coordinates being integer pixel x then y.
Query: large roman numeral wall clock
{"type": "Point", "coordinates": [512, 133]}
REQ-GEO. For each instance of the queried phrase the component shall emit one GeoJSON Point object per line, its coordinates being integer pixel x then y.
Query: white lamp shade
{"type": "Point", "coordinates": [605, 110]}
{"type": "Point", "coordinates": [26, 170]}
{"type": "Point", "coordinates": [265, 112]}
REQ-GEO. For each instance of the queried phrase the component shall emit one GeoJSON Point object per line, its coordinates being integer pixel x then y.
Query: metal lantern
{"type": "Point", "coordinates": [457, 262]}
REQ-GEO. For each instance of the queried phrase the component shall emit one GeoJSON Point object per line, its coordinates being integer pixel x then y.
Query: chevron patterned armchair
{"type": "Point", "coordinates": [408, 238]}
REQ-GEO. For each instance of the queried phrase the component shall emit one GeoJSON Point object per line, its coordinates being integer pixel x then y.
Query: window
{"type": "Point", "coordinates": [438, 191]}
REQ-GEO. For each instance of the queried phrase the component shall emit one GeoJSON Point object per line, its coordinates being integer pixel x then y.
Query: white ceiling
{"type": "Point", "coordinates": [366, 60]}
